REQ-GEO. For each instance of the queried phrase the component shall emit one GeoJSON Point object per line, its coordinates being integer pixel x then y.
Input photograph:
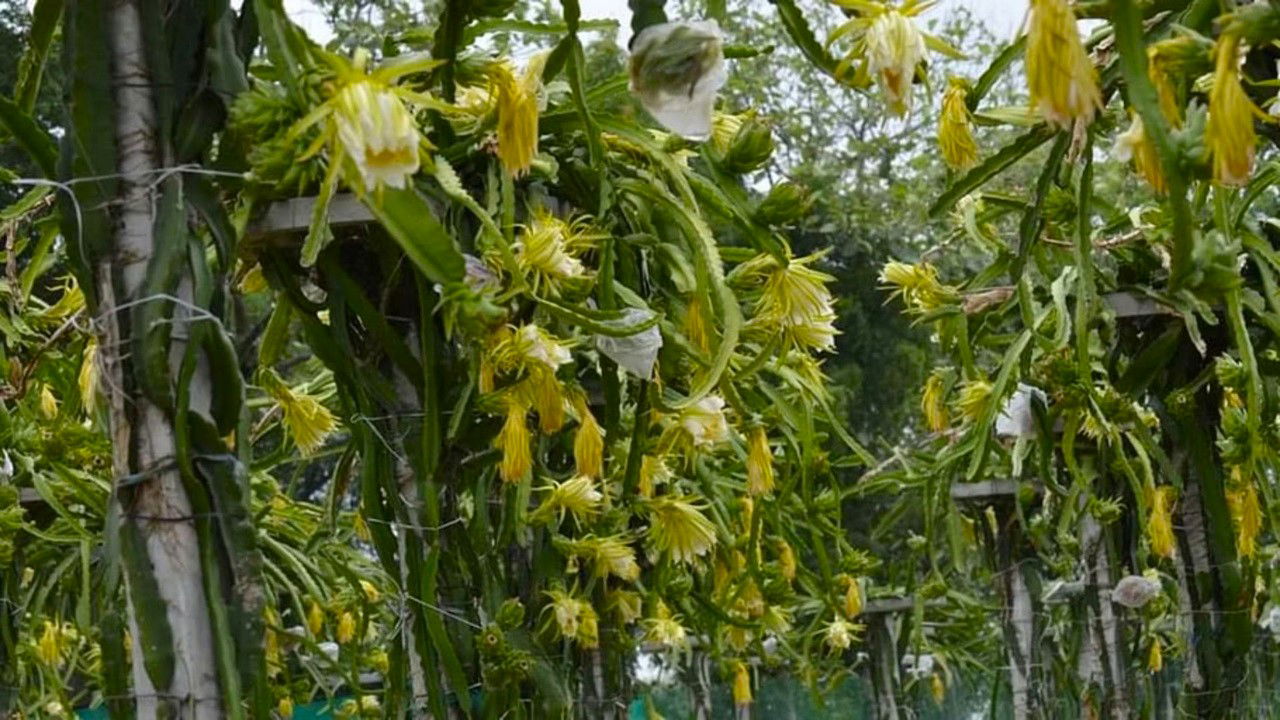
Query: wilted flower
{"type": "Point", "coordinates": [1160, 521]}
{"type": "Point", "coordinates": [346, 628]}
{"type": "Point", "coordinates": [577, 496]}
{"type": "Point", "coordinates": [308, 421]}
{"type": "Point", "coordinates": [315, 619]}
{"type": "Point", "coordinates": [625, 604]}
{"type": "Point", "coordinates": [370, 591]}
{"type": "Point", "coordinates": [678, 528]}
{"type": "Point", "coordinates": [704, 421]}
{"type": "Point", "coordinates": [588, 444]}
{"type": "Point", "coordinates": [48, 402]}
{"type": "Point", "coordinates": [955, 128]}
{"type": "Point", "coordinates": [759, 462]}
{"type": "Point", "coordinates": [1134, 591]}
{"type": "Point", "coordinates": [1133, 144]}
{"type": "Point", "coordinates": [574, 619]}
{"type": "Point", "coordinates": [1229, 133]}
{"type": "Point", "coordinates": [938, 688]}
{"type": "Point", "coordinates": [653, 472]}
{"type": "Point", "coordinates": [538, 346]}
{"type": "Point", "coordinates": [377, 132]}
{"type": "Point", "coordinates": [517, 101]}
{"type": "Point", "coordinates": [741, 685]}
{"type": "Point", "coordinates": [88, 377]}
{"type": "Point", "coordinates": [1247, 514]}
{"type": "Point", "coordinates": [284, 707]}
{"type": "Point", "coordinates": [608, 555]}
{"type": "Point", "coordinates": [933, 405]}
{"type": "Point", "coordinates": [636, 353]}
{"type": "Point", "coordinates": [50, 646]}
{"type": "Point", "coordinates": [676, 70]}
{"type": "Point", "coordinates": [664, 629]}
{"type": "Point", "coordinates": [1155, 658]}
{"type": "Point", "coordinates": [974, 395]}
{"type": "Point", "coordinates": [786, 560]}
{"type": "Point", "coordinates": [1060, 75]}
{"type": "Point", "coordinates": [513, 441]}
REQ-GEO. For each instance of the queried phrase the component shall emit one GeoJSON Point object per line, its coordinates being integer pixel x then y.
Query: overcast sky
{"type": "Point", "coordinates": [1002, 17]}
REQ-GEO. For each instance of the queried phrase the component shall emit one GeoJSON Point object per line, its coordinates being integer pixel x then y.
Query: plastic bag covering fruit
{"type": "Point", "coordinates": [636, 353]}
{"type": "Point", "coordinates": [676, 70]}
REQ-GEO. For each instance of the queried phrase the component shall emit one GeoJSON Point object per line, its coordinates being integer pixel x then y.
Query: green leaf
{"type": "Point", "coordinates": [45, 16]}
{"type": "Point", "coordinates": [408, 218]}
{"type": "Point", "coordinates": [797, 27]}
{"type": "Point", "coordinates": [32, 138]}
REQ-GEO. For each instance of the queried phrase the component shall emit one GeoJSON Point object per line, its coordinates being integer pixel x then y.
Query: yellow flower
{"type": "Point", "coordinates": [346, 628]}
{"type": "Point", "coordinates": [548, 398]}
{"type": "Point", "coordinates": [377, 133]}
{"type": "Point", "coordinates": [50, 646]}
{"type": "Point", "coordinates": [48, 402]}
{"type": "Point", "coordinates": [361, 527]}
{"type": "Point", "coordinates": [588, 445]}
{"type": "Point", "coordinates": [894, 48]}
{"type": "Point", "coordinates": [786, 560]}
{"type": "Point", "coordinates": [308, 421]}
{"type": "Point", "coordinates": [955, 128]}
{"type": "Point", "coordinates": [1060, 76]}
{"type": "Point", "coordinates": [1247, 514]}
{"type": "Point", "coordinates": [664, 629]}
{"type": "Point", "coordinates": [608, 555]}
{"type": "Point", "coordinates": [653, 472]}
{"type": "Point", "coordinates": [253, 281]}
{"type": "Point", "coordinates": [974, 396]}
{"type": "Point", "coordinates": [517, 101]}
{"type": "Point", "coordinates": [852, 597]}
{"type": "Point", "coordinates": [315, 619]}
{"type": "Point", "coordinates": [588, 627]}
{"type": "Point", "coordinates": [933, 405]}
{"type": "Point", "coordinates": [741, 685]}
{"type": "Point", "coordinates": [284, 708]}
{"type": "Point", "coordinates": [678, 528]}
{"type": "Point", "coordinates": [917, 284]}
{"type": "Point", "coordinates": [1229, 133]}
{"type": "Point", "coordinates": [625, 604]}
{"type": "Point", "coordinates": [88, 378]}
{"type": "Point", "coordinates": [540, 348]}
{"type": "Point", "coordinates": [577, 496]}
{"type": "Point", "coordinates": [796, 301]}
{"type": "Point", "coordinates": [513, 440]}
{"type": "Point", "coordinates": [1160, 522]}
{"type": "Point", "coordinates": [938, 687]}
{"type": "Point", "coordinates": [549, 248]}
{"type": "Point", "coordinates": [1133, 144]}
{"type": "Point", "coordinates": [1155, 657]}
{"type": "Point", "coordinates": [759, 463]}
{"type": "Point", "coordinates": [704, 421]}
{"type": "Point", "coordinates": [370, 592]}
{"type": "Point", "coordinates": [378, 660]}
{"type": "Point", "coordinates": [840, 634]}
{"type": "Point", "coordinates": [574, 619]}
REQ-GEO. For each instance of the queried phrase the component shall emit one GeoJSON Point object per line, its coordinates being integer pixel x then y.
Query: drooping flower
{"type": "Point", "coordinates": [933, 405]}
{"type": "Point", "coordinates": [284, 708]}
{"type": "Point", "coordinates": [840, 634]}
{"type": "Point", "coordinates": [974, 396]}
{"type": "Point", "coordinates": [50, 646]}
{"type": "Point", "coordinates": [517, 102]}
{"type": "Point", "coordinates": [48, 402]}
{"type": "Point", "coordinates": [664, 629]}
{"type": "Point", "coordinates": [678, 528]}
{"type": "Point", "coordinates": [1160, 521]}
{"type": "Point", "coordinates": [1135, 591]}
{"type": "Point", "coordinates": [346, 628]}
{"type": "Point", "coordinates": [1017, 418]}
{"type": "Point", "coordinates": [87, 380]}
{"type": "Point", "coordinates": [371, 592]}
{"type": "Point", "coordinates": [1229, 133]}
{"type": "Point", "coordinates": [315, 619]}
{"type": "Point", "coordinates": [1060, 76]}
{"type": "Point", "coordinates": [574, 619]}
{"type": "Point", "coordinates": [377, 133]}
{"type": "Point", "coordinates": [1247, 514]}
{"type": "Point", "coordinates": [625, 604]}
{"type": "Point", "coordinates": [852, 597]}
{"type": "Point", "coordinates": [786, 560]}
{"type": "Point", "coordinates": [917, 285]}
{"type": "Point", "coordinates": [938, 688]}
{"type": "Point", "coordinates": [695, 324]}
{"type": "Point", "coordinates": [1133, 144]}
{"type": "Point", "coordinates": [309, 422]}
{"type": "Point", "coordinates": [538, 346]}
{"type": "Point", "coordinates": [653, 472]}
{"type": "Point", "coordinates": [759, 462]}
{"type": "Point", "coordinates": [1155, 657]}
{"type": "Point", "coordinates": [676, 70]}
{"type": "Point", "coordinates": [588, 444]}
{"type": "Point", "coordinates": [704, 421]}
{"type": "Point", "coordinates": [607, 555]}
{"type": "Point", "coordinates": [955, 128]}
{"type": "Point", "coordinates": [578, 496]}
{"type": "Point", "coordinates": [513, 440]}
{"type": "Point", "coordinates": [894, 48]}
{"type": "Point", "coordinates": [741, 685]}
